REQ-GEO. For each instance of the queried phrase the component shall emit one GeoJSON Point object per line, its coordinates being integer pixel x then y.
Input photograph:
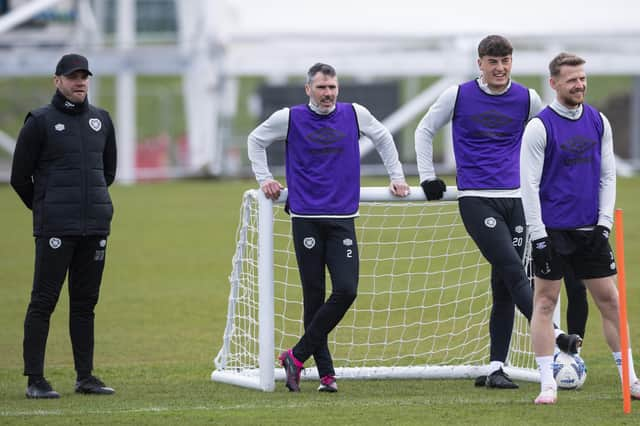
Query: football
{"type": "Point", "coordinates": [569, 370]}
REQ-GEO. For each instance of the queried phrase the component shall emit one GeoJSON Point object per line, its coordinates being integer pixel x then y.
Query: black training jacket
{"type": "Point", "coordinates": [64, 160]}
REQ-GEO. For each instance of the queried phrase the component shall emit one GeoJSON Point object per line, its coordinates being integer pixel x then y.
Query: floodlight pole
{"type": "Point", "coordinates": [126, 93]}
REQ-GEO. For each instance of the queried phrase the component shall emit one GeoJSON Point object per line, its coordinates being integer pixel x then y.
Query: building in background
{"type": "Point", "coordinates": [187, 80]}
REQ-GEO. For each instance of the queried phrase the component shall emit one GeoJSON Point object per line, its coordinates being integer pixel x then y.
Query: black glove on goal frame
{"type": "Point", "coordinates": [433, 189]}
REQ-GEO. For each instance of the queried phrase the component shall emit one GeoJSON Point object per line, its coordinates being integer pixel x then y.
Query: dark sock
{"type": "Point", "coordinates": [82, 376]}
{"type": "Point", "coordinates": [35, 378]}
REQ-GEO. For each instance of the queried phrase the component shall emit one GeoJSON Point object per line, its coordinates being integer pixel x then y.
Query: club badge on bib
{"type": "Point", "coordinates": [95, 124]}
{"type": "Point", "coordinates": [54, 242]}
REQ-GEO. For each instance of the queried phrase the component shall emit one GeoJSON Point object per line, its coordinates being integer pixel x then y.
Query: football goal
{"type": "Point", "coordinates": [423, 305]}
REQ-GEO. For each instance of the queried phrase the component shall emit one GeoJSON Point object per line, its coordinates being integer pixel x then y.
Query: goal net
{"type": "Point", "coordinates": [423, 304]}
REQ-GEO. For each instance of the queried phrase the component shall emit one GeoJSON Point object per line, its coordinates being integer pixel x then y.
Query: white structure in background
{"type": "Point", "coordinates": [126, 92]}
{"type": "Point", "coordinates": [203, 37]}
{"type": "Point", "coordinates": [221, 40]}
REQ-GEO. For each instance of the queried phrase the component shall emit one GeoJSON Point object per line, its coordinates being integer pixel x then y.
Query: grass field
{"type": "Point", "coordinates": [162, 313]}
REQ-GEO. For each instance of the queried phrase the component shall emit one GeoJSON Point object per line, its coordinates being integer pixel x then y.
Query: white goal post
{"type": "Point", "coordinates": [423, 304]}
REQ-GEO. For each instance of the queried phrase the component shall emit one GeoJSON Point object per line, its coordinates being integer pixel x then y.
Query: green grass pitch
{"type": "Point", "coordinates": [162, 313]}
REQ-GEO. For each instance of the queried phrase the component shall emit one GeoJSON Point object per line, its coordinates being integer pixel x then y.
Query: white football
{"type": "Point", "coordinates": [569, 370]}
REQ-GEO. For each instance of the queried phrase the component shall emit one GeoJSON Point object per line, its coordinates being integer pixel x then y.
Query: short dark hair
{"type": "Point", "coordinates": [561, 59]}
{"type": "Point", "coordinates": [325, 69]}
{"type": "Point", "coordinates": [494, 45]}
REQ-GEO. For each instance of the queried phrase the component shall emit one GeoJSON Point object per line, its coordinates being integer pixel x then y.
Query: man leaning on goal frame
{"type": "Point", "coordinates": [488, 116]}
{"type": "Point", "coordinates": [323, 180]}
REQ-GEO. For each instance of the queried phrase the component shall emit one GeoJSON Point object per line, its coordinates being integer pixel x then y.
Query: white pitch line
{"type": "Point", "coordinates": [418, 401]}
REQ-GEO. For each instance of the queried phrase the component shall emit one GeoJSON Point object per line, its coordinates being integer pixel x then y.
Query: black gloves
{"type": "Point", "coordinates": [541, 253]}
{"type": "Point", "coordinates": [433, 189]}
{"type": "Point", "coordinates": [599, 238]}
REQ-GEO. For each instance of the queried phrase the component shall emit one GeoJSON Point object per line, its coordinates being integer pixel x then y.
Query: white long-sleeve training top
{"type": "Point", "coordinates": [440, 113]}
{"type": "Point", "coordinates": [274, 129]}
{"type": "Point", "coordinates": [534, 142]}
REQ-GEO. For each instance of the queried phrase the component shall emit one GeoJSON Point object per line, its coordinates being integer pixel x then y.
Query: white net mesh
{"type": "Point", "coordinates": [424, 297]}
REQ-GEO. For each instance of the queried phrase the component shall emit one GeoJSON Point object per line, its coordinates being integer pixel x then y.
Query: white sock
{"type": "Point", "coordinates": [557, 332]}
{"type": "Point", "coordinates": [495, 366]}
{"type": "Point", "coordinates": [545, 367]}
{"type": "Point", "coordinates": [617, 357]}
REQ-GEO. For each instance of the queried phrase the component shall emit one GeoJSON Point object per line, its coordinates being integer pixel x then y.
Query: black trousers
{"type": "Point", "coordinates": [497, 226]}
{"type": "Point", "coordinates": [577, 304]}
{"type": "Point", "coordinates": [319, 243]}
{"type": "Point", "coordinates": [83, 258]}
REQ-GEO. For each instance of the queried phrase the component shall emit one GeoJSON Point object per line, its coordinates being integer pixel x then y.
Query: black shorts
{"type": "Point", "coordinates": [573, 248]}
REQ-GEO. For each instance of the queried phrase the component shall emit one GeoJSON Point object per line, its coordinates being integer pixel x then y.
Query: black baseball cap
{"type": "Point", "coordinates": [72, 62]}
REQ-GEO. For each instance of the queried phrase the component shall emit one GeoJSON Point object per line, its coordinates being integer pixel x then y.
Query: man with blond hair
{"type": "Point", "coordinates": [568, 181]}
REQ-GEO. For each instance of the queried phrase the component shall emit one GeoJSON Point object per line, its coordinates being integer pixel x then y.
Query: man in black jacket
{"type": "Point", "coordinates": [64, 160]}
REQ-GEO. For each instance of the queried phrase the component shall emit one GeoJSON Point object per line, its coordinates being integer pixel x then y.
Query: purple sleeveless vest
{"type": "Point", "coordinates": [570, 185]}
{"type": "Point", "coordinates": [323, 161]}
{"type": "Point", "coordinates": [487, 133]}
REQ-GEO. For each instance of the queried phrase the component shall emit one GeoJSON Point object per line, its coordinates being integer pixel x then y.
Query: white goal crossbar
{"type": "Point", "coordinates": [423, 304]}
